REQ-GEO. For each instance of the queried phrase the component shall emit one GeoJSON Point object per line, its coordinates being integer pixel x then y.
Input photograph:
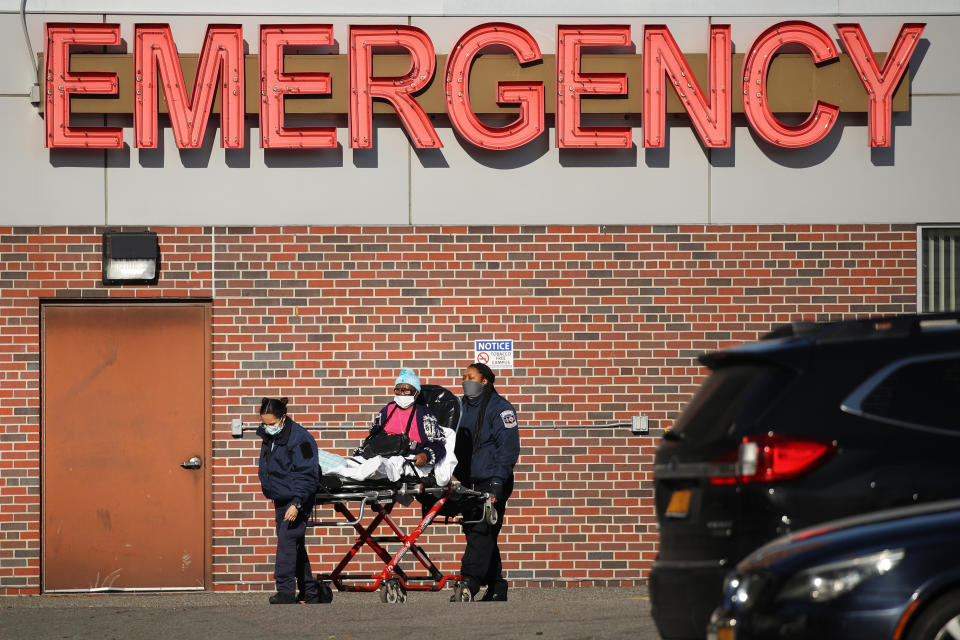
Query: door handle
{"type": "Point", "coordinates": [192, 463]}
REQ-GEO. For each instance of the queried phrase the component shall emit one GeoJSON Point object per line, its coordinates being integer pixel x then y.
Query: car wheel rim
{"type": "Point", "coordinates": [951, 630]}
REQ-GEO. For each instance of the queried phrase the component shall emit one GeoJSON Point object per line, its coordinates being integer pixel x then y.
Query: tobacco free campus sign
{"type": "Point", "coordinates": [496, 354]}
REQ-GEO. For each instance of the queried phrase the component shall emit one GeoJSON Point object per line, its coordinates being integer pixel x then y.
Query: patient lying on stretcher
{"type": "Point", "coordinates": [405, 436]}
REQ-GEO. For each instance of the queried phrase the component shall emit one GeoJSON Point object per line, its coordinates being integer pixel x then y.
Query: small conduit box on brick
{"type": "Point", "coordinates": [237, 427]}
{"type": "Point", "coordinates": [640, 424]}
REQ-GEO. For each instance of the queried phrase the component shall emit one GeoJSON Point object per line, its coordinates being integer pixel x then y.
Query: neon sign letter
{"type": "Point", "coordinates": [755, 68]}
{"type": "Point", "coordinates": [661, 56]}
{"type": "Point", "coordinates": [222, 55]}
{"type": "Point", "coordinates": [61, 82]}
{"type": "Point", "coordinates": [364, 87]}
{"type": "Point", "coordinates": [880, 83]}
{"type": "Point", "coordinates": [274, 84]}
{"type": "Point", "coordinates": [529, 94]}
{"type": "Point", "coordinates": [571, 84]}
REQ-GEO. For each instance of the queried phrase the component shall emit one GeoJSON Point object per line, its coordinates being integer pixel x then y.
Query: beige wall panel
{"type": "Point", "coordinates": [16, 72]}
{"type": "Point", "coordinates": [40, 186]}
{"type": "Point", "coordinates": [216, 186]}
{"type": "Point", "coordinates": [539, 184]}
{"type": "Point", "coordinates": [252, 185]}
{"type": "Point", "coordinates": [842, 180]}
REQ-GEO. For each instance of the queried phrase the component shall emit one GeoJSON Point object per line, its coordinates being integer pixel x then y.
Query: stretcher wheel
{"type": "Point", "coordinates": [461, 593]}
{"type": "Point", "coordinates": [490, 514]}
{"type": "Point", "coordinates": [393, 592]}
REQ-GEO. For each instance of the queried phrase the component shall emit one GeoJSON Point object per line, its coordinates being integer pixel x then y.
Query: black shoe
{"type": "Point", "coordinates": [496, 593]}
{"type": "Point", "coordinates": [324, 593]}
{"type": "Point", "coordinates": [283, 598]}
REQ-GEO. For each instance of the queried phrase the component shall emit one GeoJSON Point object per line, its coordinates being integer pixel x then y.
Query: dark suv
{"type": "Point", "coordinates": [812, 423]}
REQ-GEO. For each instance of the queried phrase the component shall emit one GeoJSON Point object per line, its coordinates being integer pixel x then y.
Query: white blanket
{"type": "Point", "coordinates": [393, 467]}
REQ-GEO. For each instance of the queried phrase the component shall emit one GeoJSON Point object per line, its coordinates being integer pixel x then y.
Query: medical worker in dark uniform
{"type": "Point", "coordinates": [288, 475]}
{"type": "Point", "coordinates": [487, 447]}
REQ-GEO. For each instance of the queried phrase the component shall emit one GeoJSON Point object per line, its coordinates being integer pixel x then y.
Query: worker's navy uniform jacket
{"type": "Point", "coordinates": [497, 451]}
{"type": "Point", "coordinates": [491, 461]}
{"type": "Point", "coordinates": [289, 469]}
{"type": "Point", "coordinates": [289, 473]}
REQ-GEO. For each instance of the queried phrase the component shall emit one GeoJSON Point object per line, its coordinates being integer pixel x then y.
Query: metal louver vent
{"type": "Point", "coordinates": [939, 268]}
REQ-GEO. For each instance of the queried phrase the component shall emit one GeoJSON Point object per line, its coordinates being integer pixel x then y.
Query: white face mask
{"type": "Point", "coordinates": [404, 401]}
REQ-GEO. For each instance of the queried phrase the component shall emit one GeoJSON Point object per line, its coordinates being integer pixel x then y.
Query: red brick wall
{"type": "Point", "coordinates": [607, 322]}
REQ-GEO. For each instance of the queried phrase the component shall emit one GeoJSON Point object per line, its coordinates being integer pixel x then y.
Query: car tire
{"type": "Point", "coordinates": [938, 621]}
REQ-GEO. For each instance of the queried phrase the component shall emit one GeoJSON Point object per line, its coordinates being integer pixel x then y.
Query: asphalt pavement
{"type": "Point", "coordinates": [574, 613]}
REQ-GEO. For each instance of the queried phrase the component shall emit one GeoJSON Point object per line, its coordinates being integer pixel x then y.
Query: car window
{"type": "Point", "coordinates": [730, 397]}
{"type": "Point", "coordinates": [923, 393]}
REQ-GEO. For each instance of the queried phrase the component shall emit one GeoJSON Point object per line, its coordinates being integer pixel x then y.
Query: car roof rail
{"type": "Point", "coordinates": [792, 330]}
{"type": "Point", "coordinates": [865, 328]}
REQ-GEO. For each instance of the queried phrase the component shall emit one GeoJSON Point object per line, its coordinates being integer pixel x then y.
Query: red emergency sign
{"type": "Point", "coordinates": [221, 64]}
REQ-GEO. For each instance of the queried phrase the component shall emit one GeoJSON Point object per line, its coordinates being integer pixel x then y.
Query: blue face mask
{"type": "Point", "coordinates": [273, 429]}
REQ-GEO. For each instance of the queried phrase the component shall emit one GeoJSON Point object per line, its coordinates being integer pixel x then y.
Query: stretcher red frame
{"type": "Point", "coordinates": [393, 582]}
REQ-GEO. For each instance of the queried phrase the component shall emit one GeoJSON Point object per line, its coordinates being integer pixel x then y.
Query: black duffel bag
{"type": "Point", "coordinates": [386, 445]}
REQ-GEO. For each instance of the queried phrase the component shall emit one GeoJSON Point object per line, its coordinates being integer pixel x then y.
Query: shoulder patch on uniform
{"type": "Point", "coordinates": [306, 450]}
{"type": "Point", "coordinates": [509, 419]}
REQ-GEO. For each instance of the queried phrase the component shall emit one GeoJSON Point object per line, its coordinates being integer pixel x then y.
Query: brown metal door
{"type": "Point", "coordinates": [125, 402]}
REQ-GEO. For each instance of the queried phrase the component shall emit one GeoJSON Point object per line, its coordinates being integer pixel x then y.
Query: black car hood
{"type": "Point", "coordinates": [854, 532]}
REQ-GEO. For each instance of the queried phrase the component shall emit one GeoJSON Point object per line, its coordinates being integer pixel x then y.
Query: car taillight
{"type": "Point", "coordinates": [771, 458]}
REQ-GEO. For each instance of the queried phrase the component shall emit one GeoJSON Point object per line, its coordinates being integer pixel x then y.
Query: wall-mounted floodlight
{"type": "Point", "coordinates": [130, 257]}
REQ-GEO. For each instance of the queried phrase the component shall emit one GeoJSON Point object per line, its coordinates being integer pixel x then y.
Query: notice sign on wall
{"type": "Point", "coordinates": [496, 354]}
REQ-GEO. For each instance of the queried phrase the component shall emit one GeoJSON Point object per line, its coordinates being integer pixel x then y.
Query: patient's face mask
{"type": "Point", "coordinates": [472, 388]}
{"type": "Point", "coordinates": [404, 401]}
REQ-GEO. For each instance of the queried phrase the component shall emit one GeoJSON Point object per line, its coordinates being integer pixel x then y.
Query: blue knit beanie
{"type": "Point", "coordinates": [408, 376]}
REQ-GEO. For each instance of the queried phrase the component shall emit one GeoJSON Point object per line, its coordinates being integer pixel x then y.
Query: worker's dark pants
{"type": "Point", "coordinates": [481, 558]}
{"type": "Point", "coordinates": [292, 569]}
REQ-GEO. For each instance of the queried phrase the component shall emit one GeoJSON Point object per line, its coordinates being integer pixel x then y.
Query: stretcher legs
{"type": "Point", "coordinates": [392, 582]}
